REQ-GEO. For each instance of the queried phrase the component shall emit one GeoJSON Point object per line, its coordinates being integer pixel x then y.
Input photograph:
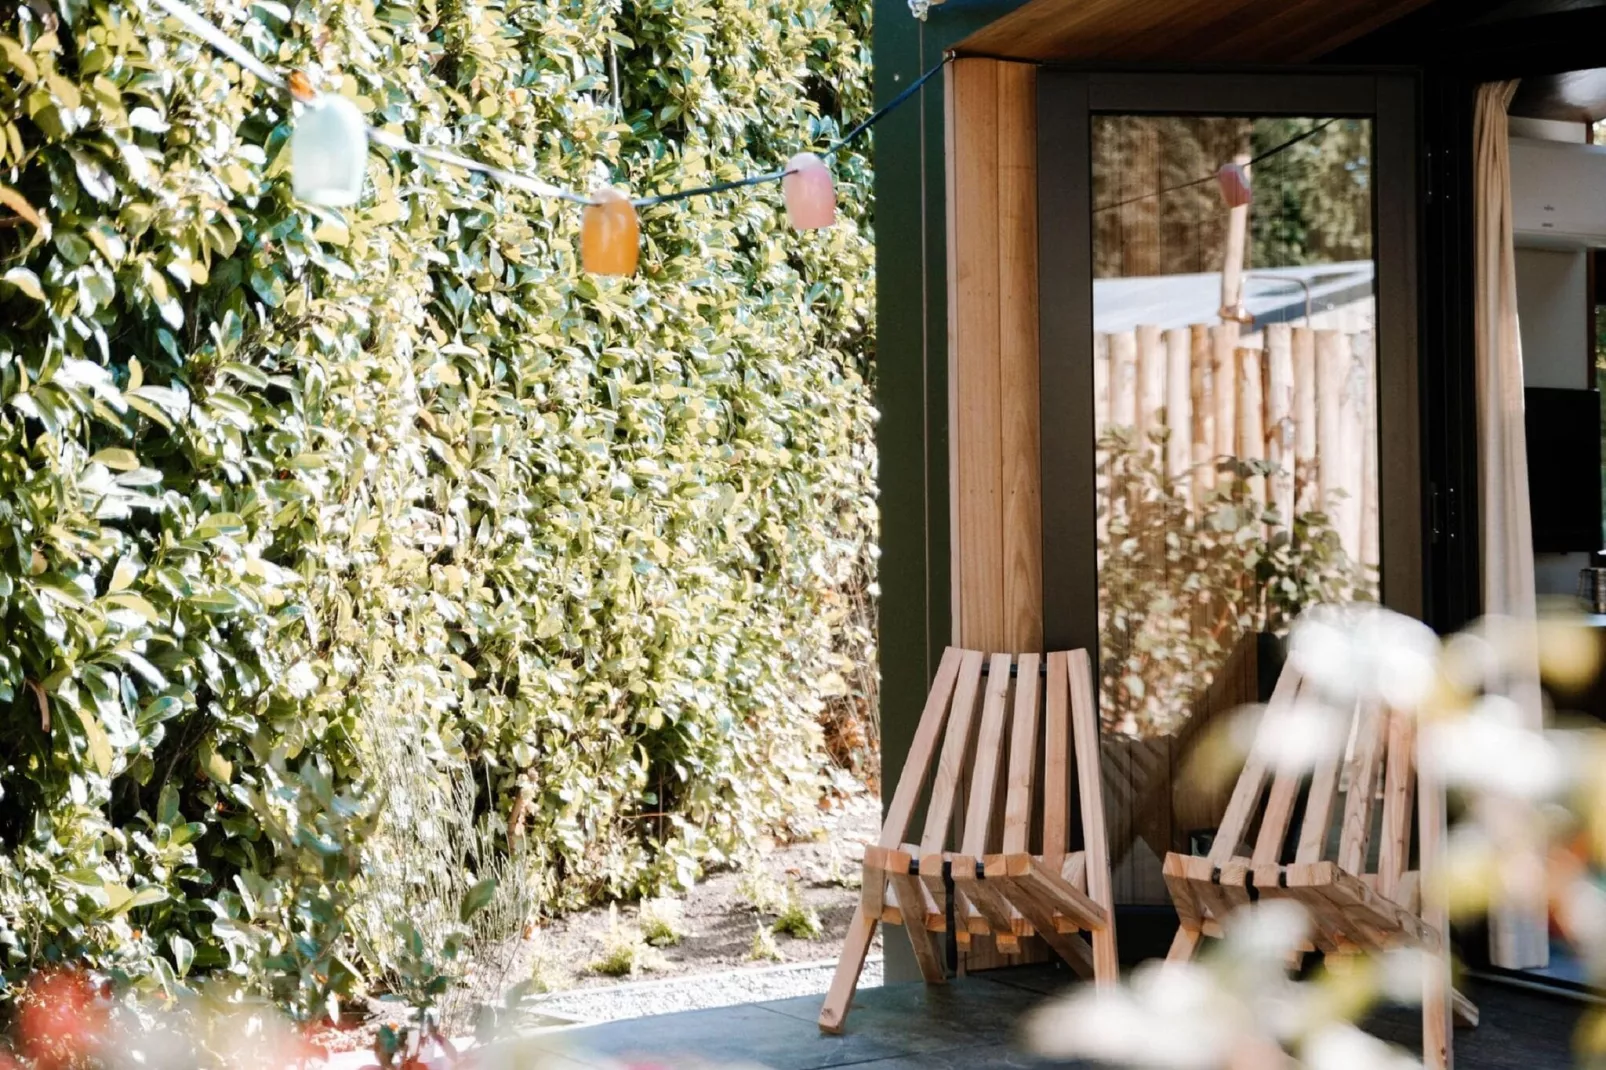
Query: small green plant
{"type": "Point", "coordinates": [663, 922]}
{"type": "Point", "coordinates": [797, 919]}
{"type": "Point", "coordinates": [761, 891]}
{"type": "Point", "coordinates": [764, 949]}
{"type": "Point", "coordinates": [624, 951]}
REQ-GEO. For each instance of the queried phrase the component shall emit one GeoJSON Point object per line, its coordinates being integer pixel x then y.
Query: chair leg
{"type": "Point", "coordinates": [1437, 1023]}
{"type": "Point", "coordinates": [1466, 1011]}
{"type": "Point", "coordinates": [861, 931]}
{"type": "Point", "coordinates": [1184, 945]}
{"type": "Point", "coordinates": [1106, 958]}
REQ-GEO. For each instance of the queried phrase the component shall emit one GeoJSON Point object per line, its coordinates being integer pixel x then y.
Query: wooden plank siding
{"type": "Point", "coordinates": [997, 540]}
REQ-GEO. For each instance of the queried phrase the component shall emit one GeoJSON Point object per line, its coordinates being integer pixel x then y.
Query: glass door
{"type": "Point", "coordinates": [1227, 365]}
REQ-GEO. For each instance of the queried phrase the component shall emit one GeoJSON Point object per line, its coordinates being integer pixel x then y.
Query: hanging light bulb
{"type": "Point", "coordinates": [610, 236]}
{"type": "Point", "coordinates": [1235, 188]}
{"type": "Point", "coordinates": [810, 194]}
{"type": "Point", "coordinates": [329, 152]}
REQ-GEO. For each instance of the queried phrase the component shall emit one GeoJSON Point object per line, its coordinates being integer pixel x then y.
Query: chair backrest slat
{"type": "Point", "coordinates": [951, 765]}
{"type": "Point", "coordinates": [1279, 815]}
{"type": "Point", "coordinates": [1096, 849]}
{"type": "Point", "coordinates": [907, 795]}
{"type": "Point", "coordinates": [1365, 773]}
{"type": "Point", "coordinates": [1252, 782]}
{"type": "Point", "coordinates": [1023, 756]}
{"type": "Point", "coordinates": [1399, 783]}
{"type": "Point", "coordinates": [1319, 801]}
{"type": "Point", "coordinates": [1056, 763]}
{"type": "Point", "coordinates": [983, 785]}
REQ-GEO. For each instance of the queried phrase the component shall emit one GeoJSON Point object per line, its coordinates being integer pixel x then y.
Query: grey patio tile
{"type": "Point", "coordinates": [927, 1018]}
{"type": "Point", "coordinates": [989, 1057]}
{"type": "Point", "coordinates": [748, 1035]}
{"type": "Point", "coordinates": [1047, 979]}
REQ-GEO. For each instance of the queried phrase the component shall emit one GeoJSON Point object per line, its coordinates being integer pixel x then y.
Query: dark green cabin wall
{"type": "Point", "coordinates": [912, 373]}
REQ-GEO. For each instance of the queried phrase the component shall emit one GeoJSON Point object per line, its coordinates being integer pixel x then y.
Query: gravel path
{"type": "Point", "coordinates": [643, 998]}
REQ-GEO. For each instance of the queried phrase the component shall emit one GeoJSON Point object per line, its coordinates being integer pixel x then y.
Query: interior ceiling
{"type": "Point", "coordinates": [1204, 31]}
{"type": "Point", "coordinates": [1575, 97]}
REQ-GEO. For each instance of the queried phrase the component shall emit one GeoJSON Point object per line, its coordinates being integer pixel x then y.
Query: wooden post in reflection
{"type": "Point", "coordinates": [1202, 378]}
{"type": "Point", "coordinates": [1151, 388]}
{"type": "Point", "coordinates": [1151, 414]}
{"type": "Point", "coordinates": [1251, 420]}
{"type": "Point", "coordinates": [1306, 477]}
{"type": "Point", "coordinates": [1124, 379]}
{"type": "Point", "coordinates": [1124, 406]}
{"type": "Point", "coordinates": [1332, 373]}
{"type": "Point", "coordinates": [1353, 457]}
{"type": "Point", "coordinates": [1101, 421]}
{"type": "Point", "coordinates": [1370, 515]}
{"type": "Point", "coordinates": [1223, 364]}
{"type": "Point", "coordinates": [1179, 409]}
{"type": "Point", "coordinates": [1280, 418]}
{"type": "Point", "coordinates": [1232, 267]}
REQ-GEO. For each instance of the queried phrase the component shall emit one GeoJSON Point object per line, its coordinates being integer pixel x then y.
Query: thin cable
{"type": "Point", "coordinates": [887, 108]}
{"type": "Point", "coordinates": [452, 159]}
{"type": "Point", "coordinates": [718, 187]}
{"type": "Point", "coordinates": [220, 41]}
{"type": "Point", "coordinates": [826, 153]}
{"type": "Point", "coordinates": [1268, 154]}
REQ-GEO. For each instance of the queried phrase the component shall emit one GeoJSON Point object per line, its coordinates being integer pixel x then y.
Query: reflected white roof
{"type": "Point", "coordinates": [1273, 295]}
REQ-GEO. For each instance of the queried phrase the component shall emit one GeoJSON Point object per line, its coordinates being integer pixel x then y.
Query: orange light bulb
{"type": "Point", "coordinates": [610, 235]}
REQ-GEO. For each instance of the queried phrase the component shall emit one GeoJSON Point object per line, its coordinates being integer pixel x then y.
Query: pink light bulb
{"type": "Point", "coordinates": [1235, 188]}
{"type": "Point", "coordinates": [809, 191]}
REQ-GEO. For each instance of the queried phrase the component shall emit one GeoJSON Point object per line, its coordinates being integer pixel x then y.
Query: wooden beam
{"type": "Point", "coordinates": [1219, 31]}
{"type": "Point", "coordinates": [1016, 127]}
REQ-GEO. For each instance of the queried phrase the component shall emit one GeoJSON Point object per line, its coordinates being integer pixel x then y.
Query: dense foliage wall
{"type": "Point", "coordinates": [300, 508]}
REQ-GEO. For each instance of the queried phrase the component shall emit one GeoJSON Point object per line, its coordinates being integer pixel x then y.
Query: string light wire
{"type": "Point", "coordinates": [1268, 154]}
{"type": "Point", "coordinates": [231, 48]}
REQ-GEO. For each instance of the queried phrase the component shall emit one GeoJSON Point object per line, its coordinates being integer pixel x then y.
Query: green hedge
{"type": "Point", "coordinates": [287, 495]}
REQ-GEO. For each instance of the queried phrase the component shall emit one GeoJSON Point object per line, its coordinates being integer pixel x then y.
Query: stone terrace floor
{"type": "Point", "coordinates": [970, 1024]}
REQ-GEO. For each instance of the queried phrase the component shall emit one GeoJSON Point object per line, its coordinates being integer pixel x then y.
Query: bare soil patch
{"type": "Point", "coordinates": [719, 916]}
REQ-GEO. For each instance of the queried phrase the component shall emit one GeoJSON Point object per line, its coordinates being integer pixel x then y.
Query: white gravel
{"type": "Point", "coordinates": [693, 993]}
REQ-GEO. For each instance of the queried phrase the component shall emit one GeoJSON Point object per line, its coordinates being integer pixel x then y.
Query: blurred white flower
{"type": "Point", "coordinates": [1402, 973]}
{"type": "Point", "coordinates": [1364, 651]}
{"type": "Point", "coordinates": [1267, 934]}
{"type": "Point", "coordinates": [1491, 749]}
{"type": "Point", "coordinates": [1344, 1047]}
{"type": "Point", "coordinates": [1171, 1017]}
{"type": "Point", "coordinates": [1302, 737]}
{"type": "Point", "coordinates": [1197, 1015]}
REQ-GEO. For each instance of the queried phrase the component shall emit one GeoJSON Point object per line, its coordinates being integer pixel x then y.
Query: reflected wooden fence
{"type": "Point", "coordinates": [1300, 398]}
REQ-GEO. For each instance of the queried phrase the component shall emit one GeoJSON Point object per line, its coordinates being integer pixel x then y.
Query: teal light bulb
{"type": "Point", "coordinates": [329, 152]}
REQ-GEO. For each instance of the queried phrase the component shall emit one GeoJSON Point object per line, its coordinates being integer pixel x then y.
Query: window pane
{"type": "Point", "coordinates": [1237, 426]}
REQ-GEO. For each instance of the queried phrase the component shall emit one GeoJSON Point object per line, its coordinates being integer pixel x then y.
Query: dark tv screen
{"type": "Point", "coordinates": [1564, 469]}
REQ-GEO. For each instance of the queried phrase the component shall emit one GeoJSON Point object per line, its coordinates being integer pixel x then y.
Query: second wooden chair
{"type": "Point", "coordinates": [1361, 896]}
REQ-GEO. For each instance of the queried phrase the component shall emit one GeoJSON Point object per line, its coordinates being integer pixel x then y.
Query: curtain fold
{"type": "Point", "coordinates": [1519, 922]}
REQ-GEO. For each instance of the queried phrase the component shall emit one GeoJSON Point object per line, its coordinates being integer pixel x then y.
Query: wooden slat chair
{"type": "Point", "coordinates": [1352, 908]}
{"type": "Point", "coordinates": [999, 885]}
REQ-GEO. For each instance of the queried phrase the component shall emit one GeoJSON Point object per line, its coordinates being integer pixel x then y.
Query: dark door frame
{"type": "Point", "coordinates": [1066, 102]}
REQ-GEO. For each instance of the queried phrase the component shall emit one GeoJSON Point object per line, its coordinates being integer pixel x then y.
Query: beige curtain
{"type": "Point", "coordinates": [1518, 926]}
